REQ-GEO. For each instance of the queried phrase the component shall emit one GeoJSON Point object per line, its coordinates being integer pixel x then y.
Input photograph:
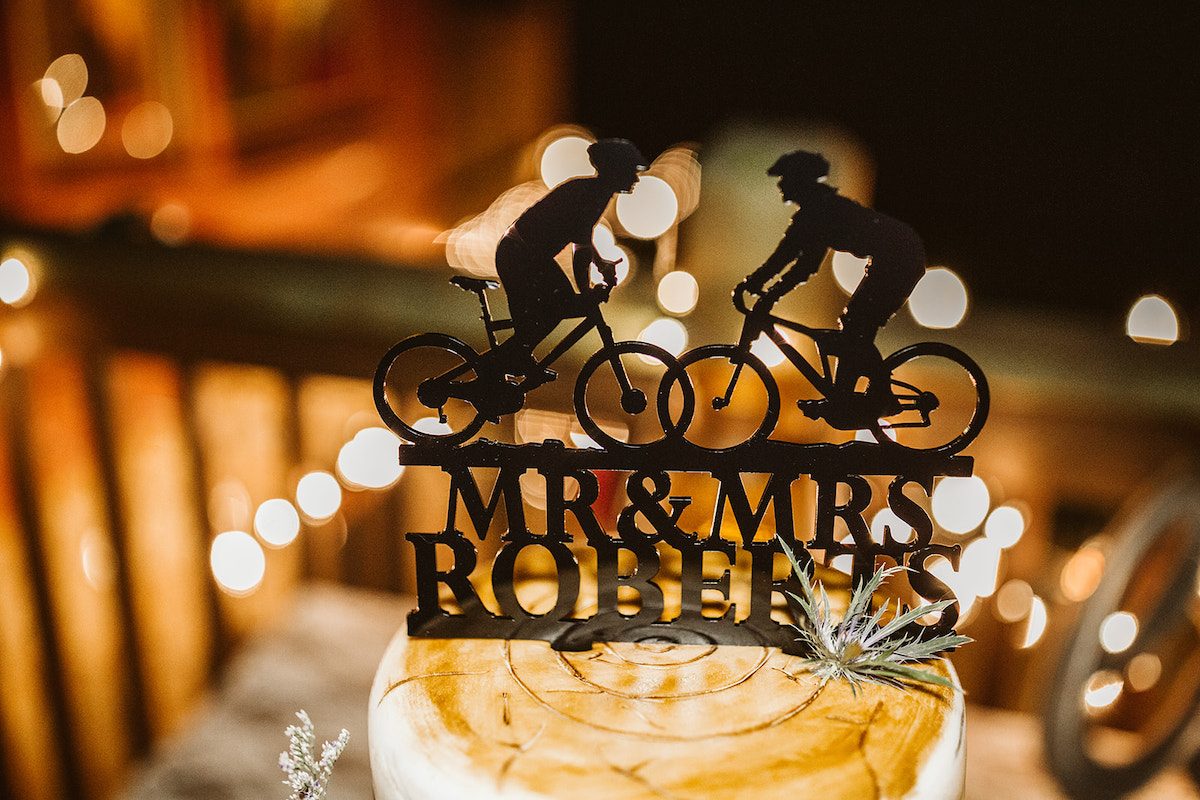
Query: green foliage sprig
{"type": "Point", "coordinates": [307, 775]}
{"type": "Point", "coordinates": [859, 647]}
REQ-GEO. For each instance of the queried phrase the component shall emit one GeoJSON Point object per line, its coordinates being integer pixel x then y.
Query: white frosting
{"type": "Point", "coordinates": [948, 758]}
{"type": "Point", "coordinates": [415, 756]}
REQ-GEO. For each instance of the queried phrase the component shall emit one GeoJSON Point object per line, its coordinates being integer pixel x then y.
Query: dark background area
{"type": "Point", "coordinates": [1045, 151]}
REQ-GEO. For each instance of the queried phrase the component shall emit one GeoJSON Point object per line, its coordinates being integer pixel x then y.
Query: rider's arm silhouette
{"type": "Point", "coordinates": [796, 258]}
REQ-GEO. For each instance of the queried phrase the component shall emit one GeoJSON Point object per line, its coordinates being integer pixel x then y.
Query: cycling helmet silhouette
{"type": "Point", "coordinates": [800, 164]}
{"type": "Point", "coordinates": [616, 154]}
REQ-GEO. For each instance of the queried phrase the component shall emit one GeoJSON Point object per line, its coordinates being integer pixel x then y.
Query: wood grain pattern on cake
{"type": "Point", "coordinates": [516, 719]}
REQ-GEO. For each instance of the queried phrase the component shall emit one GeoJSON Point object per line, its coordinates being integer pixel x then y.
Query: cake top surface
{"type": "Point", "coordinates": [518, 719]}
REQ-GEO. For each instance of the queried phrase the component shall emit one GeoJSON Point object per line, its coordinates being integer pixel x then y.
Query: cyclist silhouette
{"type": "Point", "coordinates": [826, 220]}
{"type": "Point", "coordinates": [539, 294]}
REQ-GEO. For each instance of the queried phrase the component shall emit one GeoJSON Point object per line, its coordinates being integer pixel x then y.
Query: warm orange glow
{"type": "Point", "coordinates": [81, 125]}
{"type": "Point", "coordinates": [1014, 600]}
{"type": "Point", "coordinates": [1143, 671]}
{"type": "Point", "coordinates": [147, 130]}
{"type": "Point", "coordinates": [649, 210]}
{"type": "Point", "coordinates": [277, 522]}
{"type": "Point", "coordinates": [99, 560]}
{"type": "Point", "coordinates": [319, 495]}
{"type": "Point", "coordinates": [171, 223]}
{"type": "Point", "coordinates": [1152, 320]}
{"type": "Point", "coordinates": [238, 562]}
{"type": "Point", "coordinates": [939, 300]}
{"type": "Point", "coordinates": [678, 292]}
{"type": "Point", "coordinates": [1082, 574]}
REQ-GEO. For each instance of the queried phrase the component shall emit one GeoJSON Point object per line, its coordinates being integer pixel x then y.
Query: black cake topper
{"type": "Point", "coordinates": [437, 392]}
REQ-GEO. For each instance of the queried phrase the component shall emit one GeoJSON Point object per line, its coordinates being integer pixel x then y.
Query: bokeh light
{"type": "Point", "coordinates": [81, 125]}
{"type": "Point", "coordinates": [319, 495]}
{"type": "Point", "coordinates": [564, 158]}
{"type": "Point", "coordinates": [1035, 622]}
{"type": "Point", "coordinates": [147, 129]}
{"type": "Point", "coordinates": [99, 560]}
{"type": "Point", "coordinates": [1014, 600]}
{"type": "Point", "coordinates": [64, 81]}
{"type": "Point", "coordinates": [433, 426]}
{"type": "Point", "coordinates": [1143, 671]}
{"type": "Point", "coordinates": [960, 504]}
{"type": "Point", "coordinates": [900, 530]}
{"type": "Point", "coordinates": [939, 299]}
{"type": "Point", "coordinates": [1005, 526]}
{"type": "Point", "coordinates": [607, 248]}
{"type": "Point", "coordinates": [371, 460]}
{"type": "Point", "coordinates": [649, 210]}
{"type": "Point", "coordinates": [678, 292]}
{"type": "Point", "coordinates": [238, 562]}
{"type": "Point", "coordinates": [767, 351]}
{"type": "Point", "coordinates": [680, 167]}
{"type": "Point", "coordinates": [980, 567]}
{"type": "Point", "coordinates": [958, 582]}
{"type": "Point", "coordinates": [171, 224]}
{"type": "Point", "coordinates": [17, 285]}
{"type": "Point", "coordinates": [1118, 631]}
{"type": "Point", "coordinates": [1152, 320]}
{"type": "Point", "coordinates": [1102, 690]}
{"type": "Point", "coordinates": [1082, 573]}
{"type": "Point", "coordinates": [667, 333]}
{"type": "Point", "coordinates": [471, 245]}
{"type": "Point", "coordinates": [848, 270]}
{"type": "Point", "coordinates": [277, 522]}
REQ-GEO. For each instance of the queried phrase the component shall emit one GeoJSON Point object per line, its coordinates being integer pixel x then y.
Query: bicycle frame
{"type": "Point", "coordinates": [764, 323]}
{"type": "Point", "coordinates": [482, 363]}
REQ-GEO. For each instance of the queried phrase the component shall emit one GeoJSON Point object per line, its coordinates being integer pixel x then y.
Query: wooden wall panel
{"type": "Point", "coordinates": [28, 732]}
{"type": "Point", "coordinates": [164, 542]}
{"type": "Point", "coordinates": [80, 566]}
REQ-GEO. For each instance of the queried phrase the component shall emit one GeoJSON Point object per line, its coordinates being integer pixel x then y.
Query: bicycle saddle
{"type": "Point", "coordinates": [469, 284]}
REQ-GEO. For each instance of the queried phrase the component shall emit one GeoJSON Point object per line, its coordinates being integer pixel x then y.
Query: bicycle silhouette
{"type": "Point", "coordinates": [891, 401]}
{"type": "Point", "coordinates": [459, 389]}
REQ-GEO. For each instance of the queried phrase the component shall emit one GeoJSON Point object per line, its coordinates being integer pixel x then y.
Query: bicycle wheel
{"type": "Point", "coordinates": [942, 399]}
{"type": "Point", "coordinates": [414, 408]}
{"type": "Point", "coordinates": [729, 413]}
{"type": "Point", "coordinates": [1122, 708]}
{"type": "Point", "coordinates": [642, 416]}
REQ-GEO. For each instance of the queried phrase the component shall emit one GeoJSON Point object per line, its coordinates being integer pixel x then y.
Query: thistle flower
{"type": "Point", "coordinates": [306, 774]}
{"type": "Point", "coordinates": [859, 647]}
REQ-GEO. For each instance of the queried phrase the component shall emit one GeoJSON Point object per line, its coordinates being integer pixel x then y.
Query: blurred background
{"type": "Point", "coordinates": [216, 215]}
